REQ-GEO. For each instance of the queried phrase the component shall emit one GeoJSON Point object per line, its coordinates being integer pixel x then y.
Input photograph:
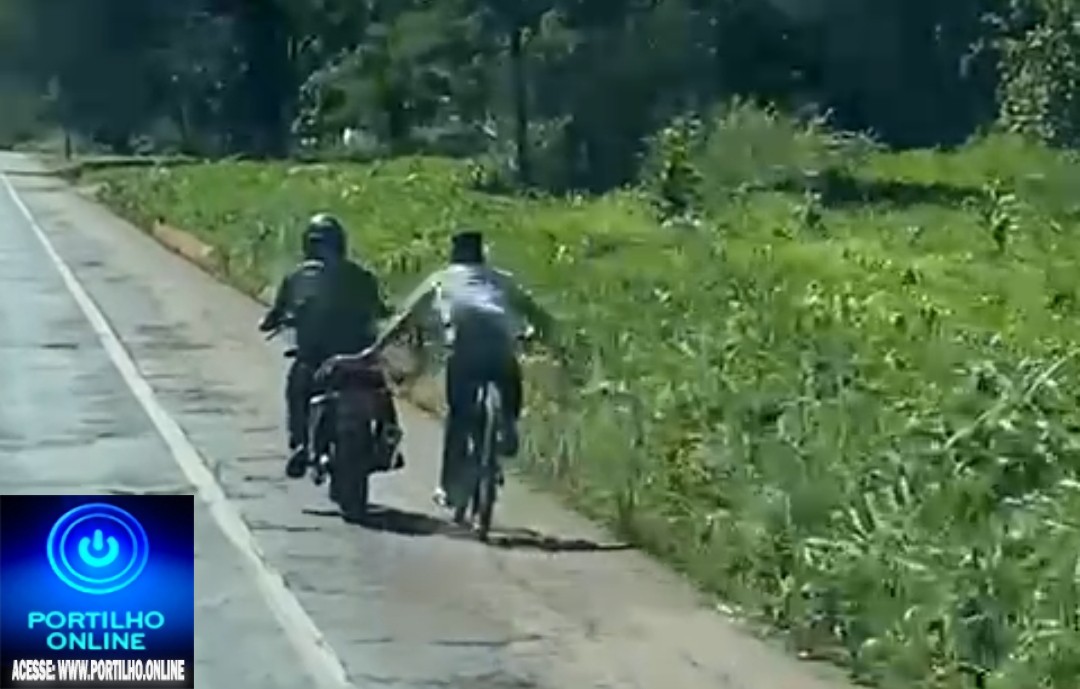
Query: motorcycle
{"type": "Point", "coordinates": [345, 442]}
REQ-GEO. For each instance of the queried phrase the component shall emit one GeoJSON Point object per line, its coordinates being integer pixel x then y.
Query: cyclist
{"type": "Point", "coordinates": [483, 311]}
{"type": "Point", "coordinates": [334, 305]}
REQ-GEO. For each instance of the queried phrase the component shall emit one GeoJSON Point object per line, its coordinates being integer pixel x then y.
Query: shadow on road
{"type": "Point", "coordinates": [405, 523]}
{"type": "Point", "coordinates": [529, 539]}
{"type": "Point", "coordinates": [392, 520]}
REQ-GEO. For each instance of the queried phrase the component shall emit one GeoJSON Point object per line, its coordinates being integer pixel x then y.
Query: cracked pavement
{"type": "Point", "coordinates": [406, 601]}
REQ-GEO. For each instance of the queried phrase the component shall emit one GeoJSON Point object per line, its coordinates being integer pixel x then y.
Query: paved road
{"type": "Point", "coordinates": [406, 606]}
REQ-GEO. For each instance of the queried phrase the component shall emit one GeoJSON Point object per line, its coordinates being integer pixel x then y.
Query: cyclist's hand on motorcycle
{"type": "Point", "coordinates": [334, 362]}
{"type": "Point", "coordinates": [367, 356]}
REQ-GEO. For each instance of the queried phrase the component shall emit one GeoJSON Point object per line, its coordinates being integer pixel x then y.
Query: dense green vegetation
{"type": "Point", "coordinates": [848, 404]}
{"type": "Point", "coordinates": [831, 376]}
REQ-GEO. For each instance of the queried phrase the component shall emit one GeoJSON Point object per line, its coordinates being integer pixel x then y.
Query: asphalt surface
{"type": "Point", "coordinates": [402, 603]}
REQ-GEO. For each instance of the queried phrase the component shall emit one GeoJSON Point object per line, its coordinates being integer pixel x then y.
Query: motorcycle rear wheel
{"type": "Point", "coordinates": [349, 476]}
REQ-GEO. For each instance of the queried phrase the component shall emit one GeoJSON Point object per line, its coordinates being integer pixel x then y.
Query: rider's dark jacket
{"type": "Point", "coordinates": [334, 307]}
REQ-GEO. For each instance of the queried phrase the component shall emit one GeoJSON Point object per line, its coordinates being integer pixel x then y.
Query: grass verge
{"type": "Point", "coordinates": [849, 408]}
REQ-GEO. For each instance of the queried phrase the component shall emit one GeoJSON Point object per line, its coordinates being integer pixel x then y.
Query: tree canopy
{"type": "Point", "coordinates": [567, 90]}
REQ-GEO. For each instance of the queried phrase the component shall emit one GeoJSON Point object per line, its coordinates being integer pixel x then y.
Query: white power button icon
{"type": "Point", "coordinates": [98, 545]}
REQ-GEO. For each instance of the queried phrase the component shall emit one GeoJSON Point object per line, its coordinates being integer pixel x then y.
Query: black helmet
{"type": "Point", "coordinates": [467, 246]}
{"type": "Point", "coordinates": [324, 236]}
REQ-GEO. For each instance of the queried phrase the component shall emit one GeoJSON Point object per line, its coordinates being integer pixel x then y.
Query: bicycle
{"type": "Point", "coordinates": [483, 459]}
{"type": "Point", "coordinates": [482, 447]}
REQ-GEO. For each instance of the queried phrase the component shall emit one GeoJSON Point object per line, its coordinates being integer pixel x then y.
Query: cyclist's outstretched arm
{"type": "Point", "coordinates": [379, 308]}
{"type": "Point", "coordinates": [418, 301]}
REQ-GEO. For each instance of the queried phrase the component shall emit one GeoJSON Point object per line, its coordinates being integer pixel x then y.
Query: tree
{"type": "Point", "coordinates": [511, 22]}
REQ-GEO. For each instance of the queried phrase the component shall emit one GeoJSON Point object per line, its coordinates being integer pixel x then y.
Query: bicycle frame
{"type": "Point", "coordinates": [483, 458]}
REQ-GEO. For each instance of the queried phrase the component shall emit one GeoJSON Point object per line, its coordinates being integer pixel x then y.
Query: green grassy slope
{"type": "Point", "coordinates": [853, 414]}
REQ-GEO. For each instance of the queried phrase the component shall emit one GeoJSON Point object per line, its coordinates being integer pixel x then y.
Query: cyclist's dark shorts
{"type": "Point", "coordinates": [483, 352]}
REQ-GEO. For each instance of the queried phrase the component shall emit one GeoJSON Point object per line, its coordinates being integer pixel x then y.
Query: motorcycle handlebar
{"type": "Point", "coordinates": [280, 326]}
{"type": "Point", "coordinates": [277, 330]}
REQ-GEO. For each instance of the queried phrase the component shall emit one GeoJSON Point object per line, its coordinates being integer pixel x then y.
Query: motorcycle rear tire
{"type": "Point", "coordinates": [351, 476]}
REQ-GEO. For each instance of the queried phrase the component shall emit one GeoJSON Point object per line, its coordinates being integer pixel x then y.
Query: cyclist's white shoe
{"type": "Point", "coordinates": [439, 498]}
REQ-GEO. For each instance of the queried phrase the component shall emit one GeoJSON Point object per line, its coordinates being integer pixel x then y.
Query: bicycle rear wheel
{"type": "Point", "coordinates": [487, 471]}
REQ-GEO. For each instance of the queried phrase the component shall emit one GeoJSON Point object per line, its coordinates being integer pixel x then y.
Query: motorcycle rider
{"type": "Point", "coordinates": [482, 310]}
{"type": "Point", "coordinates": [334, 305]}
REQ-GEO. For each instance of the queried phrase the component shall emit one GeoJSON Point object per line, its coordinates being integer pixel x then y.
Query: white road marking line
{"type": "Point", "coordinates": [316, 653]}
